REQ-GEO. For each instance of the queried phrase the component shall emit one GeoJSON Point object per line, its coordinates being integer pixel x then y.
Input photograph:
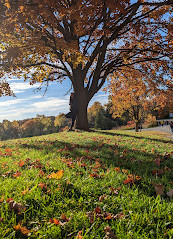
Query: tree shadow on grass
{"type": "Point", "coordinates": [133, 136]}
{"type": "Point", "coordinates": [137, 161]}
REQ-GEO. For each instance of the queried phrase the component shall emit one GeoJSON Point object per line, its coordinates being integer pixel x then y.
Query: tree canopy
{"type": "Point", "coordinates": [134, 96]}
{"type": "Point", "coordinates": [87, 42]}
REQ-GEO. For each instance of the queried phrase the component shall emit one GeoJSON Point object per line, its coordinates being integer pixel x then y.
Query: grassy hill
{"type": "Point", "coordinates": [104, 184]}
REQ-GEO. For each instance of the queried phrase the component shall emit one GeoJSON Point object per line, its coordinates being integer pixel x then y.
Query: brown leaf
{"type": "Point", "coordinates": [23, 230]}
{"type": "Point", "coordinates": [17, 206]}
{"type": "Point", "coordinates": [170, 192]}
{"type": "Point", "coordinates": [102, 197]}
{"type": "Point", "coordinates": [119, 215]}
{"type": "Point", "coordinates": [159, 188]}
{"type": "Point", "coordinates": [64, 218]}
{"type": "Point", "coordinates": [109, 233]}
{"type": "Point", "coordinates": [157, 161]}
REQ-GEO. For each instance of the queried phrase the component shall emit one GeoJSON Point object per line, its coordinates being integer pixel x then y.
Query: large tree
{"type": "Point", "coordinates": [133, 95]}
{"type": "Point", "coordinates": [86, 41]}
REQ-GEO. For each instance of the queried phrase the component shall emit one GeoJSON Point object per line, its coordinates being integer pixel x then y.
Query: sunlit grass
{"type": "Point", "coordinates": [94, 164]}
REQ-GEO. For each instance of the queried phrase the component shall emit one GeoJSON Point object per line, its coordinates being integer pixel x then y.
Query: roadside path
{"type": "Point", "coordinates": [165, 128]}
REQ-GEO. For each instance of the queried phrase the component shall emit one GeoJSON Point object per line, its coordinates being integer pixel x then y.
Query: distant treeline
{"type": "Point", "coordinates": [98, 117]}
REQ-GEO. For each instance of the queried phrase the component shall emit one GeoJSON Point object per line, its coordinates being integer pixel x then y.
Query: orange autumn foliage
{"type": "Point", "coordinates": [85, 41]}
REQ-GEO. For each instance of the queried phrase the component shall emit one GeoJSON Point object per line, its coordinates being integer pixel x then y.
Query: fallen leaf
{"type": "Point", "coordinates": [159, 188]}
{"type": "Point", "coordinates": [23, 230]}
{"type": "Point", "coordinates": [117, 169]}
{"type": "Point", "coordinates": [97, 210]}
{"type": "Point", "coordinates": [9, 199]}
{"type": "Point", "coordinates": [41, 173]}
{"type": "Point", "coordinates": [170, 192]}
{"type": "Point", "coordinates": [21, 163]}
{"type": "Point", "coordinates": [158, 172]}
{"type": "Point", "coordinates": [56, 175]}
{"type": "Point", "coordinates": [17, 174]}
{"type": "Point", "coordinates": [25, 191]}
{"type": "Point", "coordinates": [119, 215]}
{"type": "Point", "coordinates": [109, 233]}
{"type": "Point", "coordinates": [16, 206]}
{"type": "Point", "coordinates": [2, 199]}
{"type": "Point", "coordinates": [102, 197]}
{"type": "Point", "coordinates": [79, 235]}
{"type": "Point", "coordinates": [94, 175]}
{"type": "Point", "coordinates": [55, 221]}
{"type": "Point", "coordinates": [157, 161]}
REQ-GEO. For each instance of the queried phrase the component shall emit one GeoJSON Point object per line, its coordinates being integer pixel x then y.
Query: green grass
{"type": "Point", "coordinates": [91, 162]}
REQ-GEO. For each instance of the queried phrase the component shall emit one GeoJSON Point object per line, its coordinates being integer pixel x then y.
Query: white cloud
{"type": "Point", "coordinates": [50, 103]}
{"type": "Point", "coordinates": [19, 87]}
{"type": "Point", "coordinates": [9, 103]}
{"type": "Point", "coordinates": [12, 79]}
{"type": "Point", "coordinates": [49, 106]}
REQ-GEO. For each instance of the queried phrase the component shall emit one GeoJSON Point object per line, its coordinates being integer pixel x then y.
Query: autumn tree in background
{"type": "Point", "coordinates": [163, 103]}
{"type": "Point", "coordinates": [129, 95]}
{"type": "Point", "coordinates": [92, 112]}
{"type": "Point", "coordinates": [86, 41]}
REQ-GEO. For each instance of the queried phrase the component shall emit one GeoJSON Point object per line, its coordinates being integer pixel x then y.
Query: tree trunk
{"type": "Point", "coordinates": [137, 126]}
{"type": "Point", "coordinates": [82, 119]}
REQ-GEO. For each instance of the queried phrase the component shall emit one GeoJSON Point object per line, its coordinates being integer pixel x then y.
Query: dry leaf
{"type": "Point", "coordinates": [102, 197]}
{"type": "Point", "coordinates": [16, 206]}
{"type": "Point", "coordinates": [17, 174]}
{"type": "Point", "coordinates": [79, 236]}
{"type": "Point", "coordinates": [23, 230]}
{"type": "Point", "coordinates": [55, 221]}
{"type": "Point", "coordinates": [2, 199]}
{"type": "Point", "coordinates": [56, 175]}
{"type": "Point", "coordinates": [159, 188]}
{"type": "Point", "coordinates": [170, 192]}
{"type": "Point", "coordinates": [109, 233]}
{"type": "Point", "coordinates": [157, 161]}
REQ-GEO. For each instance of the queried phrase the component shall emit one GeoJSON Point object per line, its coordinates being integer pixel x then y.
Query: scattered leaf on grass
{"type": "Point", "coordinates": [16, 206]}
{"type": "Point", "coordinates": [157, 161]}
{"type": "Point", "coordinates": [56, 175]}
{"type": "Point", "coordinates": [159, 188]}
{"type": "Point", "coordinates": [102, 197]}
{"type": "Point", "coordinates": [79, 235]}
{"type": "Point", "coordinates": [21, 163]}
{"type": "Point", "coordinates": [2, 199]}
{"type": "Point", "coordinates": [25, 191]}
{"type": "Point", "coordinates": [23, 230]}
{"type": "Point", "coordinates": [17, 174]}
{"type": "Point", "coordinates": [97, 213]}
{"type": "Point", "coordinates": [109, 233]}
{"type": "Point", "coordinates": [170, 192]}
{"type": "Point", "coordinates": [94, 175]}
{"type": "Point", "coordinates": [61, 221]}
{"type": "Point", "coordinates": [55, 221]}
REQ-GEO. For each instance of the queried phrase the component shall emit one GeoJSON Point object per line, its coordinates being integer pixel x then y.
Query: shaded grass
{"type": "Point", "coordinates": [146, 214]}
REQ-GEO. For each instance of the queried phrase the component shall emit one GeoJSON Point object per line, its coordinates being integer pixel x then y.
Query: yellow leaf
{"type": "Point", "coordinates": [57, 175]}
{"type": "Point", "coordinates": [21, 8]}
{"type": "Point", "coordinates": [7, 5]}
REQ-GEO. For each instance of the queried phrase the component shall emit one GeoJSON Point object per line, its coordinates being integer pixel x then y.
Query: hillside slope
{"type": "Point", "coordinates": [74, 184]}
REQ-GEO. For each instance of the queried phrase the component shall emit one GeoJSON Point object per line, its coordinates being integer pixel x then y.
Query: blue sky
{"type": "Point", "coordinates": [28, 102]}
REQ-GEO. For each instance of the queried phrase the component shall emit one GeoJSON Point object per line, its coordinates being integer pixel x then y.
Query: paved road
{"type": "Point", "coordinates": [165, 128]}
